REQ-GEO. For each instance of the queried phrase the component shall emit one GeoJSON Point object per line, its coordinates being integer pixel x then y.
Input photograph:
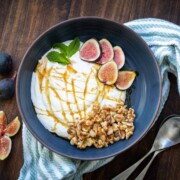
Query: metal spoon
{"type": "Point", "coordinates": [168, 136]}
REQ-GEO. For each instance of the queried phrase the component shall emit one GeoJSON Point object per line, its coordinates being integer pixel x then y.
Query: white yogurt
{"type": "Point", "coordinates": [63, 93]}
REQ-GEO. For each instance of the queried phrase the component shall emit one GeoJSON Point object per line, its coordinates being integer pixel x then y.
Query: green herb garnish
{"type": "Point", "coordinates": [54, 56]}
{"type": "Point", "coordinates": [65, 52]}
{"type": "Point", "coordinates": [61, 47]}
{"type": "Point", "coordinates": [73, 47]}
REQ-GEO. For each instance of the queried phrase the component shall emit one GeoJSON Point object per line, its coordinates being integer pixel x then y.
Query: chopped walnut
{"type": "Point", "coordinates": [103, 126]}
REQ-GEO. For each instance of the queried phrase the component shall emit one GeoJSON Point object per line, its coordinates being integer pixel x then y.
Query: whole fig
{"type": "Point", "coordinates": [7, 87]}
{"type": "Point", "coordinates": [5, 63]}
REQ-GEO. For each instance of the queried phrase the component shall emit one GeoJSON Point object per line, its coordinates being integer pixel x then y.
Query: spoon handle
{"type": "Point", "coordinates": [144, 171]}
{"type": "Point", "coordinates": [125, 174]}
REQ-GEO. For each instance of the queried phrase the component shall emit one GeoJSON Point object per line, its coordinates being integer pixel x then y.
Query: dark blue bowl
{"type": "Point", "coordinates": [145, 98]}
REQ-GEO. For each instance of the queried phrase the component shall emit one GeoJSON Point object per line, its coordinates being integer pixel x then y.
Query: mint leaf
{"type": "Point", "coordinates": [54, 56]}
{"type": "Point", "coordinates": [66, 52]}
{"type": "Point", "coordinates": [73, 47]}
{"type": "Point", "coordinates": [61, 47]}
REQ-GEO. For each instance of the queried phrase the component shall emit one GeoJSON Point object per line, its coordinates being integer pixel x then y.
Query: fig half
{"type": "Point", "coordinates": [5, 147]}
{"type": "Point", "coordinates": [119, 57]}
{"type": "Point", "coordinates": [125, 79]}
{"type": "Point", "coordinates": [90, 50]}
{"type": "Point", "coordinates": [108, 73]}
{"type": "Point", "coordinates": [3, 121]}
{"type": "Point", "coordinates": [107, 51]}
{"type": "Point", "coordinates": [12, 128]}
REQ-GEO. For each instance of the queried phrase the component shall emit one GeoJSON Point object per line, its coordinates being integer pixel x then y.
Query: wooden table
{"type": "Point", "coordinates": [22, 21]}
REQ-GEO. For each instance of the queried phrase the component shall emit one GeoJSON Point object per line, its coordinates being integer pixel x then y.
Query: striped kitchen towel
{"type": "Point", "coordinates": [40, 163]}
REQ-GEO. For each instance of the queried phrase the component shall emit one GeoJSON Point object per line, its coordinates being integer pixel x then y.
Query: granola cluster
{"type": "Point", "coordinates": [102, 127]}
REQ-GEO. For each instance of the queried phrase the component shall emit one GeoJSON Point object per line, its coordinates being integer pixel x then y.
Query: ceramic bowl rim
{"type": "Point", "coordinates": [66, 22]}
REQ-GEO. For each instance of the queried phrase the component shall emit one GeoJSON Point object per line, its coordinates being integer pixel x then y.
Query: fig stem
{"type": "Point", "coordinates": [14, 76]}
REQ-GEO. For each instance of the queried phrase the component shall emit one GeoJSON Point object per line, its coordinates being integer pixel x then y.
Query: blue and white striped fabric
{"type": "Point", "coordinates": [39, 163]}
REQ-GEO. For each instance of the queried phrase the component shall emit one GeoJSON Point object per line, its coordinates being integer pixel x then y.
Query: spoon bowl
{"type": "Point", "coordinates": [169, 134]}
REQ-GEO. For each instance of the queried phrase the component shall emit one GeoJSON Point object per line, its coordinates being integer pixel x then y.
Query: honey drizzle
{"type": "Point", "coordinates": [41, 71]}
{"type": "Point", "coordinates": [74, 95]}
{"type": "Point", "coordinates": [85, 92]}
{"type": "Point", "coordinates": [54, 127]}
{"type": "Point", "coordinates": [58, 96]}
{"type": "Point", "coordinates": [57, 77]}
{"type": "Point", "coordinates": [47, 89]}
{"type": "Point", "coordinates": [99, 85]}
{"type": "Point", "coordinates": [68, 103]}
{"type": "Point", "coordinates": [39, 109]}
{"type": "Point", "coordinates": [83, 98]}
{"type": "Point", "coordinates": [56, 119]}
{"type": "Point", "coordinates": [71, 69]}
{"type": "Point", "coordinates": [50, 113]}
{"type": "Point", "coordinates": [40, 78]}
{"type": "Point", "coordinates": [64, 76]}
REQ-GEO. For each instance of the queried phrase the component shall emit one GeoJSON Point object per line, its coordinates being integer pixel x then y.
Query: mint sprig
{"type": "Point", "coordinates": [54, 56]}
{"type": "Point", "coordinates": [61, 47]}
{"type": "Point", "coordinates": [65, 52]}
{"type": "Point", "coordinates": [73, 47]}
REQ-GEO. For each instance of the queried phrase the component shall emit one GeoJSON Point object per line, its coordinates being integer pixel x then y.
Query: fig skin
{"type": "Point", "coordinates": [108, 73]}
{"type": "Point", "coordinates": [125, 79]}
{"type": "Point", "coordinates": [107, 51]}
{"type": "Point", "coordinates": [6, 63]}
{"type": "Point", "coordinates": [98, 49]}
{"type": "Point", "coordinates": [119, 56]}
{"type": "Point", "coordinates": [12, 128]}
{"type": "Point", "coordinates": [7, 87]}
{"type": "Point", "coordinates": [5, 147]}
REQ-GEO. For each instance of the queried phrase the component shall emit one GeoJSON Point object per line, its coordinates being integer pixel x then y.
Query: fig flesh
{"type": "Point", "coordinates": [3, 121]}
{"type": "Point", "coordinates": [12, 128]}
{"type": "Point", "coordinates": [119, 57]}
{"type": "Point", "coordinates": [5, 147]}
{"type": "Point", "coordinates": [107, 51]}
{"type": "Point", "coordinates": [125, 79]}
{"type": "Point", "coordinates": [108, 73]}
{"type": "Point", "coordinates": [90, 50]}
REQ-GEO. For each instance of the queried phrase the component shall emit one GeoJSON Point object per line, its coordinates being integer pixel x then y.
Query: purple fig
{"type": "Point", "coordinates": [119, 57]}
{"type": "Point", "coordinates": [125, 79]}
{"type": "Point", "coordinates": [90, 51]}
{"type": "Point", "coordinates": [108, 73]}
{"type": "Point", "coordinates": [5, 63]}
{"type": "Point", "coordinates": [107, 51]}
{"type": "Point", "coordinates": [7, 87]}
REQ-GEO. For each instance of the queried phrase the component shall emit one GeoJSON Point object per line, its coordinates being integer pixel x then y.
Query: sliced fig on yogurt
{"type": "Point", "coordinates": [108, 73]}
{"type": "Point", "coordinates": [90, 50]}
{"type": "Point", "coordinates": [119, 57]}
{"type": "Point", "coordinates": [107, 51]}
{"type": "Point", "coordinates": [125, 79]}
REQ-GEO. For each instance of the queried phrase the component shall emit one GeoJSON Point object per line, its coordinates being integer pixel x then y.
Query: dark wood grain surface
{"type": "Point", "coordinates": [21, 21]}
